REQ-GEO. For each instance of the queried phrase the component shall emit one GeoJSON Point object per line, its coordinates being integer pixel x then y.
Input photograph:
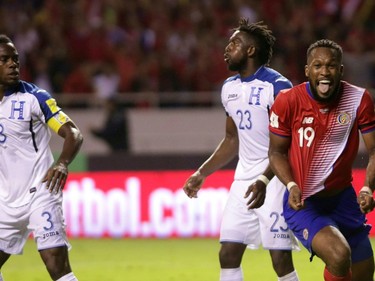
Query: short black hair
{"type": "Point", "coordinates": [326, 43]}
{"type": "Point", "coordinates": [5, 39]}
{"type": "Point", "coordinates": [262, 36]}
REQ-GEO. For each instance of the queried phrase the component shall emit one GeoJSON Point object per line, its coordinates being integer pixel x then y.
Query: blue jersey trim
{"type": "Point", "coordinates": [41, 95]}
{"type": "Point", "coordinates": [266, 74]}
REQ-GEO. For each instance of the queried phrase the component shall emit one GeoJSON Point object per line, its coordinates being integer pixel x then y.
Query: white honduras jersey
{"type": "Point", "coordinates": [247, 101]}
{"type": "Point", "coordinates": [24, 142]}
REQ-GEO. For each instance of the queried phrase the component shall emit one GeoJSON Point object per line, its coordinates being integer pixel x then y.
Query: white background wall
{"type": "Point", "coordinates": [155, 130]}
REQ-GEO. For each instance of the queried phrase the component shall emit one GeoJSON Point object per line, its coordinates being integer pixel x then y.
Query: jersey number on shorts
{"type": "Point", "coordinates": [276, 217]}
{"type": "Point", "coordinates": [48, 215]}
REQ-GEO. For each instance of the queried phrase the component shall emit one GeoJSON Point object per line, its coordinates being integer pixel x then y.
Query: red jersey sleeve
{"type": "Point", "coordinates": [366, 114]}
{"type": "Point", "coordinates": [280, 116]}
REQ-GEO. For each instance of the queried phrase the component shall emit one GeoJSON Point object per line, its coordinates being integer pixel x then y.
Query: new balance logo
{"type": "Point", "coordinates": [308, 120]}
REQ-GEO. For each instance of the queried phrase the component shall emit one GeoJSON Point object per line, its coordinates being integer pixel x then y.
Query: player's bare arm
{"type": "Point", "coordinates": [278, 155]}
{"type": "Point", "coordinates": [365, 196]}
{"type": "Point", "coordinates": [56, 176]}
{"type": "Point", "coordinates": [257, 190]}
{"type": "Point", "coordinates": [294, 199]}
{"type": "Point", "coordinates": [193, 184]}
{"type": "Point", "coordinates": [223, 154]}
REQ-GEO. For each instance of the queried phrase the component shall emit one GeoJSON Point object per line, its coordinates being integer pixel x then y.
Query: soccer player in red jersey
{"type": "Point", "coordinates": [313, 143]}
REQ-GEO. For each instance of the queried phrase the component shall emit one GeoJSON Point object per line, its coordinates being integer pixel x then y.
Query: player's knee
{"type": "Point", "coordinates": [230, 257]}
{"type": "Point", "coordinates": [282, 262]}
{"type": "Point", "coordinates": [338, 259]}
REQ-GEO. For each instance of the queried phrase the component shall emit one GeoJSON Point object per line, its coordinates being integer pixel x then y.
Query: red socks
{"type": "Point", "coordinates": [329, 277]}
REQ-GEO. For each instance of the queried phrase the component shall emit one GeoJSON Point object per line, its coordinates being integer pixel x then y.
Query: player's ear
{"type": "Point", "coordinates": [306, 70]}
{"type": "Point", "coordinates": [251, 51]}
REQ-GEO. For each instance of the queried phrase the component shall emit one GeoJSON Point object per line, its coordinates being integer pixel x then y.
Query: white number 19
{"type": "Point", "coordinates": [307, 134]}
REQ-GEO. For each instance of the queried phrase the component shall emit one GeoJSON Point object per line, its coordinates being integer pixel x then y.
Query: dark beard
{"type": "Point", "coordinates": [237, 66]}
{"type": "Point", "coordinates": [329, 100]}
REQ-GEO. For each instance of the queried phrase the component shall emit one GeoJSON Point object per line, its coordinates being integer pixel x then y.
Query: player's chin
{"type": "Point", "coordinates": [325, 96]}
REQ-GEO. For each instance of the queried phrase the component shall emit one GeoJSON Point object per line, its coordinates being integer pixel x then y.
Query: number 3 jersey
{"type": "Point", "coordinates": [247, 101]}
{"type": "Point", "coordinates": [24, 141]}
{"type": "Point", "coordinates": [324, 138]}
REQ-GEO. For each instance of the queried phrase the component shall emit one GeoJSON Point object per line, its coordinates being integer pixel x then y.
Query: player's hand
{"type": "Point", "coordinates": [257, 190]}
{"type": "Point", "coordinates": [294, 199]}
{"type": "Point", "coordinates": [366, 202]}
{"type": "Point", "coordinates": [56, 177]}
{"type": "Point", "coordinates": [193, 184]}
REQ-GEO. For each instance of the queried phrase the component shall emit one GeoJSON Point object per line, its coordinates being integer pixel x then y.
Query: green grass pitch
{"type": "Point", "coordinates": [153, 259]}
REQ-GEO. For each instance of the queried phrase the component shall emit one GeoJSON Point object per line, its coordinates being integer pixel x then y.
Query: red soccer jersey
{"type": "Point", "coordinates": [324, 138]}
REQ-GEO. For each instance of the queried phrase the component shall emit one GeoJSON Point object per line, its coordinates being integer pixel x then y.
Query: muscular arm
{"type": "Point", "coordinates": [57, 174]}
{"type": "Point", "coordinates": [278, 156]}
{"type": "Point", "coordinates": [223, 154]}
{"type": "Point", "coordinates": [369, 140]}
{"type": "Point", "coordinates": [366, 202]}
{"type": "Point", "coordinates": [72, 142]}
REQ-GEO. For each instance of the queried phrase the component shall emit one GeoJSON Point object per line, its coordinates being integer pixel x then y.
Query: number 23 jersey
{"type": "Point", "coordinates": [247, 101]}
{"type": "Point", "coordinates": [324, 138]}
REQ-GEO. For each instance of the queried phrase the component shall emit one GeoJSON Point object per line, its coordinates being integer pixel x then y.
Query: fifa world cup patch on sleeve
{"type": "Point", "coordinates": [274, 120]}
{"type": "Point", "coordinates": [52, 105]}
{"type": "Point", "coordinates": [58, 120]}
{"type": "Point", "coordinates": [62, 118]}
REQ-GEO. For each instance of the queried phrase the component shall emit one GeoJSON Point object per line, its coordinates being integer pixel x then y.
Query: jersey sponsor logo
{"type": "Point", "coordinates": [308, 120]}
{"type": "Point", "coordinates": [32, 190]}
{"type": "Point", "coordinates": [50, 234]}
{"type": "Point", "coordinates": [343, 118]}
{"type": "Point", "coordinates": [274, 120]}
{"type": "Point", "coordinates": [281, 236]}
{"type": "Point", "coordinates": [232, 96]}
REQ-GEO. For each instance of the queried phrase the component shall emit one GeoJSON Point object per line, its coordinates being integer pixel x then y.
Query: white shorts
{"type": "Point", "coordinates": [264, 226]}
{"type": "Point", "coordinates": [43, 217]}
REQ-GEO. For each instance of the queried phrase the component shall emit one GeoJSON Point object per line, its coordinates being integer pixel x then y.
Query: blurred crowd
{"type": "Point", "coordinates": [105, 47]}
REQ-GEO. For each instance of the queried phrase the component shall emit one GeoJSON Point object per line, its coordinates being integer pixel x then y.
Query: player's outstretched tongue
{"type": "Point", "coordinates": [323, 86]}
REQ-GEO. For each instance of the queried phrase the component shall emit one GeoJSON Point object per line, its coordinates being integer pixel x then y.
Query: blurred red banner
{"type": "Point", "coordinates": [149, 204]}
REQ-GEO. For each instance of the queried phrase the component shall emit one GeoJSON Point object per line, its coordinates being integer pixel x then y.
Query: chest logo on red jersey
{"type": "Point", "coordinates": [343, 118]}
{"type": "Point", "coordinates": [308, 120]}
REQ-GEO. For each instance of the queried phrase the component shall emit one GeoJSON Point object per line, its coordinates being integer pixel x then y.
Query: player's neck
{"type": "Point", "coordinates": [2, 92]}
{"type": "Point", "coordinates": [249, 70]}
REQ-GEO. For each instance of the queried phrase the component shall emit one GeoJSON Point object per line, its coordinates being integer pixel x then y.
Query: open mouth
{"type": "Point", "coordinates": [323, 86]}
